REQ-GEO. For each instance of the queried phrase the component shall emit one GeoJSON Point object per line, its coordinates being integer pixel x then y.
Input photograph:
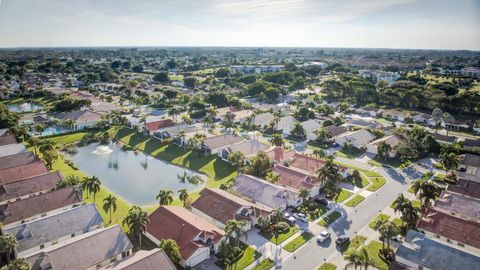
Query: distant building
{"type": "Point", "coordinates": [389, 77]}
{"type": "Point", "coordinates": [256, 69]}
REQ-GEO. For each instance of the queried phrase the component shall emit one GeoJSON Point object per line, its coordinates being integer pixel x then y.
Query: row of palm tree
{"type": "Point", "coordinates": [165, 197]}
{"type": "Point", "coordinates": [357, 258]}
{"type": "Point", "coordinates": [409, 214]}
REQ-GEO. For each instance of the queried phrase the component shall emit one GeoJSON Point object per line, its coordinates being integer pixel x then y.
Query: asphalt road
{"type": "Point", "coordinates": [311, 256]}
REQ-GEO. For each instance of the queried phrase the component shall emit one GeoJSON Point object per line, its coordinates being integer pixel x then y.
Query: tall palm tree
{"type": "Point", "coordinates": [400, 203]}
{"type": "Point", "coordinates": [110, 205]}
{"type": "Point", "coordinates": [449, 161]}
{"type": "Point", "coordinates": [165, 197]}
{"type": "Point", "coordinates": [277, 140]}
{"type": "Point", "coordinates": [39, 128]}
{"type": "Point", "coordinates": [304, 194]}
{"type": "Point", "coordinates": [384, 150]}
{"type": "Point", "coordinates": [410, 214]}
{"type": "Point", "coordinates": [7, 246]}
{"type": "Point", "coordinates": [329, 176]}
{"type": "Point", "coordinates": [234, 228]}
{"type": "Point", "coordinates": [183, 177]}
{"type": "Point", "coordinates": [237, 159]}
{"type": "Point", "coordinates": [183, 196]}
{"type": "Point", "coordinates": [34, 142]}
{"type": "Point", "coordinates": [366, 261]}
{"type": "Point", "coordinates": [426, 191]}
{"type": "Point", "coordinates": [353, 257]}
{"type": "Point", "coordinates": [170, 247]}
{"type": "Point", "coordinates": [93, 186]}
{"type": "Point", "coordinates": [173, 112]}
{"type": "Point", "coordinates": [136, 221]}
{"type": "Point", "coordinates": [387, 231]}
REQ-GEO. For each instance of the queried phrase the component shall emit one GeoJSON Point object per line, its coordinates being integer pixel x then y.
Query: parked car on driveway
{"type": "Point", "coordinates": [301, 217]}
{"type": "Point", "coordinates": [342, 240]}
{"type": "Point", "coordinates": [289, 218]}
{"type": "Point", "coordinates": [323, 236]}
{"type": "Point", "coordinates": [321, 201]}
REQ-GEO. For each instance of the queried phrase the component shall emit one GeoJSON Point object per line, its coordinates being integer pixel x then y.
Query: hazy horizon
{"type": "Point", "coordinates": [349, 24]}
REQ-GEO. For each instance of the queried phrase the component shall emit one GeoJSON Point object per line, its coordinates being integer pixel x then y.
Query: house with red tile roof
{"type": "Point", "coordinates": [195, 236]}
{"type": "Point", "coordinates": [219, 206]}
{"type": "Point", "coordinates": [297, 179]}
{"type": "Point", "coordinates": [279, 155]}
{"type": "Point", "coordinates": [13, 174]}
{"type": "Point", "coordinates": [17, 160]}
{"type": "Point", "coordinates": [451, 229]}
{"type": "Point", "coordinates": [312, 165]}
{"type": "Point", "coordinates": [7, 139]}
{"type": "Point", "coordinates": [82, 119]}
{"type": "Point", "coordinates": [151, 127]}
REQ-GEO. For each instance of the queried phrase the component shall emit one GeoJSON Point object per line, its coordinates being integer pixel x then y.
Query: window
{"type": "Point", "coordinates": [42, 246]}
{"type": "Point", "coordinates": [72, 235]}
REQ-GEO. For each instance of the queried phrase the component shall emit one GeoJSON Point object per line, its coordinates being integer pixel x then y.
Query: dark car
{"type": "Point", "coordinates": [321, 201]}
{"type": "Point", "coordinates": [342, 240]}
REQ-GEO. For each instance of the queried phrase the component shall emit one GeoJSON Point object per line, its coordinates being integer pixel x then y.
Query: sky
{"type": "Point", "coordinates": [422, 24]}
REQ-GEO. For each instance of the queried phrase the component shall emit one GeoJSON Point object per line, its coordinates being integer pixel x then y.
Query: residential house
{"type": "Point", "coordinates": [451, 229]}
{"type": "Point", "coordinates": [17, 160]}
{"type": "Point", "coordinates": [425, 119]}
{"type": "Point", "coordinates": [195, 236]}
{"type": "Point", "coordinates": [311, 127]}
{"type": "Point", "coordinates": [248, 148]}
{"type": "Point", "coordinates": [336, 130]}
{"type": "Point", "coordinates": [392, 140]}
{"type": "Point", "coordinates": [12, 149]}
{"type": "Point", "coordinates": [358, 139]}
{"type": "Point", "coordinates": [219, 144]}
{"type": "Point", "coordinates": [421, 252]}
{"type": "Point", "coordinates": [297, 179]}
{"type": "Point", "coordinates": [264, 193]}
{"type": "Point", "coordinates": [7, 139]}
{"type": "Point", "coordinates": [444, 139]}
{"type": "Point", "coordinates": [91, 250]}
{"type": "Point", "coordinates": [395, 115]}
{"type": "Point", "coordinates": [173, 132]}
{"type": "Point", "coordinates": [41, 233]}
{"type": "Point", "coordinates": [240, 115]}
{"type": "Point", "coordinates": [458, 124]}
{"type": "Point", "coordinates": [458, 205]}
{"type": "Point", "coordinates": [82, 119]}
{"type": "Point", "coordinates": [256, 69]}
{"type": "Point", "coordinates": [218, 206]}
{"type": "Point", "coordinates": [279, 155]}
{"type": "Point", "coordinates": [263, 119]}
{"type": "Point", "coordinates": [40, 206]}
{"type": "Point", "coordinates": [367, 111]}
{"type": "Point", "coordinates": [286, 125]}
{"type": "Point", "coordinates": [151, 127]}
{"type": "Point", "coordinates": [29, 187]}
{"type": "Point", "coordinates": [155, 259]}
{"type": "Point", "coordinates": [12, 174]}
{"type": "Point", "coordinates": [313, 165]}
{"type": "Point", "coordinates": [104, 107]}
{"type": "Point", "coordinates": [466, 187]}
{"type": "Point", "coordinates": [468, 143]}
{"type": "Point", "coordinates": [468, 160]}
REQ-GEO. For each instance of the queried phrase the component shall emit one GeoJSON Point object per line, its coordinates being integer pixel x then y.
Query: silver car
{"type": "Point", "coordinates": [323, 236]}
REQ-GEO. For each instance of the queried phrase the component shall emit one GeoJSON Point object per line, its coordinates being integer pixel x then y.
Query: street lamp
{"type": "Point", "coordinates": [325, 263]}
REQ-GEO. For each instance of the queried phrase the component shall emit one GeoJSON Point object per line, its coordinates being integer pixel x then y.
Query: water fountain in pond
{"type": "Point", "coordinates": [102, 150]}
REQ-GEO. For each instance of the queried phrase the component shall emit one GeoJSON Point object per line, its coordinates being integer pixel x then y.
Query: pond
{"type": "Point", "coordinates": [24, 107]}
{"type": "Point", "coordinates": [134, 176]}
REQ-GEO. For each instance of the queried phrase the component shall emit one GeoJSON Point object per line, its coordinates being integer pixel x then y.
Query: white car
{"type": "Point", "coordinates": [289, 217]}
{"type": "Point", "coordinates": [301, 216]}
{"type": "Point", "coordinates": [323, 236]}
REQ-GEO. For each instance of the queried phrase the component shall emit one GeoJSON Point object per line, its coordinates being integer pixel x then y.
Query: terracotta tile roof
{"type": "Point", "coordinates": [13, 174]}
{"type": "Point", "coordinates": [181, 225]}
{"type": "Point", "coordinates": [465, 187]}
{"type": "Point", "coordinates": [154, 259]}
{"type": "Point", "coordinates": [17, 160]}
{"type": "Point", "coordinates": [223, 206]}
{"type": "Point", "coordinates": [310, 164]}
{"type": "Point", "coordinates": [222, 141]}
{"type": "Point", "coordinates": [33, 206]}
{"type": "Point", "coordinates": [451, 227]}
{"type": "Point", "coordinates": [152, 126]}
{"type": "Point", "coordinates": [7, 139]}
{"type": "Point", "coordinates": [279, 155]}
{"type": "Point", "coordinates": [30, 185]}
{"type": "Point", "coordinates": [295, 178]}
{"type": "Point", "coordinates": [80, 116]}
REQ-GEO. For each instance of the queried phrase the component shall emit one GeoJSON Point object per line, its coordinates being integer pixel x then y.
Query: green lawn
{"type": "Point", "coordinates": [355, 201]}
{"type": "Point", "coordinates": [329, 219]}
{"type": "Point", "coordinates": [343, 195]}
{"type": "Point", "coordinates": [410, 189]}
{"type": "Point", "coordinates": [377, 182]}
{"type": "Point", "coordinates": [397, 222]}
{"type": "Point", "coordinates": [249, 256]}
{"type": "Point", "coordinates": [416, 203]}
{"type": "Point", "coordinates": [321, 210]}
{"type": "Point", "coordinates": [356, 242]}
{"type": "Point", "coordinates": [327, 266]}
{"type": "Point", "coordinates": [372, 248]}
{"type": "Point", "coordinates": [298, 241]}
{"type": "Point", "coordinates": [374, 223]}
{"type": "Point", "coordinates": [281, 237]}
{"type": "Point", "coordinates": [265, 264]}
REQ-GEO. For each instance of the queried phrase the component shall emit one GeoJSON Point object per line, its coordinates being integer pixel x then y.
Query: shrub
{"type": "Point", "coordinates": [282, 226]}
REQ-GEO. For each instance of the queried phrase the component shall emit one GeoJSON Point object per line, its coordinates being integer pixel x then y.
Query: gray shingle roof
{"type": "Point", "coordinates": [12, 149]}
{"type": "Point", "coordinates": [84, 251]}
{"type": "Point", "coordinates": [49, 228]}
{"type": "Point", "coordinates": [154, 259]}
{"type": "Point", "coordinates": [421, 250]}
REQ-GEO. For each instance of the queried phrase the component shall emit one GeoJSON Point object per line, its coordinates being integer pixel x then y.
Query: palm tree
{"type": "Point", "coordinates": [34, 142]}
{"type": "Point", "coordinates": [426, 191]}
{"type": "Point", "coordinates": [276, 215]}
{"type": "Point", "coordinates": [68, 123]}
{"type": "Point", "coordinates": [183, 177]}
{"type": "Point", "coordinates": [447, 118]}
{"type": "Point", "coordinates": [234, 228]}
{"type": "Point", "coordinates": [384, 149]}
{"type": "Point", "coordinates": [277, 140]}
{"type": "Point", "coordinates": [137, 221]}
{"type": "Point", "coordinates": [304, 194]}
{"type": "Point", "coordinates": [323, 136]}
{"type": "Point", "coordinates": [237, 159]}
{"type": "Point", "coordinates": [93, 186]}
{"type": "Point", "coordinates": [365, 258]}
{"type": "Point", "coordinates": [173, 112]}
{"type": "Point", "coordinates": [165, 197]}
{"type": "Point", "coordinates": [18, 264]}
{"type": "Point", "coordinates": [7, 246]}
{"type": "Point", "coordinates": [170, 247]}
{"type": "Point", "coordinates": [400, 203]}
{"type": "Point", "coordinates": [39, 128]}
{"type": "Point", "coordinates": [319, 153]}
{"type": "Point", "coordinates": [449, 161]}
{"type": "Point", "coordinates": [272, 177]}
{"type": "Point", "coordinates": [183, 196]}
{"type": "Point", "coordinates": [110, 205]}
{"type": "Point", "coordinates": [387, 231]}
{"type": "Point", "coordinates": [263, 222]}
{"type": "Point", "coordinates": [410, 214]}
{"type": "Point", "coordinates": [353, 257]}
{"type": "Point", "coordinates": [329, 176]}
